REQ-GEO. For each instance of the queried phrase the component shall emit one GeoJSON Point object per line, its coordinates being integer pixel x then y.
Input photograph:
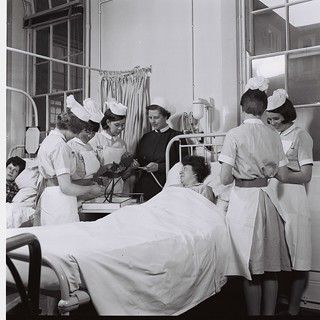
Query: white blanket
{"type": "Point", "coordinates": [159, 258]}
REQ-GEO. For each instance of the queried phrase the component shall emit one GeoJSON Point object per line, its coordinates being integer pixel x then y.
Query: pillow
{"type": "Point", "coordinates": [28, 177]}
{"type": "Point", "coordinates": [213, 180]}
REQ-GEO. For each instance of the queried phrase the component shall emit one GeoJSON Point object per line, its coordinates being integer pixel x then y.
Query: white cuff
{"type": "Point", "coordinates": [305, 161]}
{"type": "Point", "coordinates": [283, 162]}
{"type": "Point", "coordinates": [62, 171]}
{"type": "Point", "coordinates": [226, 159]}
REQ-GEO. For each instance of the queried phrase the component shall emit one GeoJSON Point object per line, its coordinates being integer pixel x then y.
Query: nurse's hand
{"type": "Point", "coordinates": [97, 190]}
{"type": "Point", "coordinates": [152, 167]}
{"type": "Point", "coordinates": [135, 164]}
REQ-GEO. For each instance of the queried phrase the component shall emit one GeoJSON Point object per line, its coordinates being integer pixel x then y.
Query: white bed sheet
{"type": "Point", "coordinates": [159, 258]}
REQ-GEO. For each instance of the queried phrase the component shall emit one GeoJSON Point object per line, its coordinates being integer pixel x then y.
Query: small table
{"type": "Point", "coordinates": [92, 214]}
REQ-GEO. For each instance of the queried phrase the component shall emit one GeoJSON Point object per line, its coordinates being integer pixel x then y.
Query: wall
{"type": "Point", "coordinates": [16, 75]}
{"type": "Point", "coordinates": [159, 33]}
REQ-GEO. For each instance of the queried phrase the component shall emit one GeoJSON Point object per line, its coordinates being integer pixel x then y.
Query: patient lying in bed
{"type": "Point", "coordinates": [193, 173]}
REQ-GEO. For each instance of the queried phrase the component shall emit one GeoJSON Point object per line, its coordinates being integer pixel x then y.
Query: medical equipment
{"type": "Point", "coordinates": [55, 280]}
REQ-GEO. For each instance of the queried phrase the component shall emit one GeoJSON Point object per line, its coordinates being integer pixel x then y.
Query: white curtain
{"type": "Point", "coordinates": [133, 90]}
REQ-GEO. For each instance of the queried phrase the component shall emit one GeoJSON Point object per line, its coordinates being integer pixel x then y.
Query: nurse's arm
{"type": "Point", "coordinates": [71, 189]}
{"type": "Point", "coordinates": [301, 177]}
{"type": "Point", "coordinates": [226, 174]}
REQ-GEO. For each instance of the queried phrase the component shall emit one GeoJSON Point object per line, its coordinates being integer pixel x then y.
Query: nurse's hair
{"type": "Point", "coordinates": [69, 121]}
{"type": "Point", "coordinates": [287, 110]}
{"type": "Point", "coordinates": [200, 168]}
{"type": "Point", "coordinates": [162, 111]}
{"type": "Point", "coordinates": [254, 102]}
{"type": "Point", "coordinates": [92, 126]}
{"type": "Point", "coordinates": [108, 115]}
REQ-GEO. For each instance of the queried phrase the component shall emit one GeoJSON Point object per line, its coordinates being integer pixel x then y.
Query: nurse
{"type": "Point", "coordinates": [108, 144]}
{"type": "Point", "coordinates": [87, 163]}
{"type": "Point", "coordinates": [57, 194]}
{"type": "Point", "coordinates": [251, 154]}
{"type": "Point", "coordinates": [151, 149]}
{"type": "Point", "coordinates": [292, 197]}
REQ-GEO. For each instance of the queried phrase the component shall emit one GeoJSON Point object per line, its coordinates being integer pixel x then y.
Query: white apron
{"type": "Point", "coordinates": [109, 155]}
{"type": "Point", "coordinates": [240, 218]}
{"type": "Point", "coordinates": [57, 207]}
{"type": "Point", "coordinates": [292, 203]}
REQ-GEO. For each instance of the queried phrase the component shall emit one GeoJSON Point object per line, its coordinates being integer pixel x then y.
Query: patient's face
{"type": "Point", "coordinates": [187, 176]}
{"type": "Point", "coordinates": [12, 172]}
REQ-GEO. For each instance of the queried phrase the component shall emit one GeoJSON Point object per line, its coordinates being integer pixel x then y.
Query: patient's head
{"type": "Point", "coordinates": [14, 165]}
{"type": "Point", "coordinates": [194, 170]}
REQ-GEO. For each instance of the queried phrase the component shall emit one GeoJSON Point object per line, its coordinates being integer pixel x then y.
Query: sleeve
{"type": "Point", "coordinates": [62, 159]}
{"type": "Point", "coordinates": [305, 149]}
{"type": "Point", "coordinates": [229, 150]}
{"type": "Point", "coordinates": [94, 142]}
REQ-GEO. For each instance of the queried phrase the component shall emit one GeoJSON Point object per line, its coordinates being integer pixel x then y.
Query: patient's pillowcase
{"type": "Point", "coordinates": [221, 191]}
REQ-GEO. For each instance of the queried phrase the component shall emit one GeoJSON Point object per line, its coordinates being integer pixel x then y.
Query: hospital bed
{"type": "Point", "coordinates": [195, 239]}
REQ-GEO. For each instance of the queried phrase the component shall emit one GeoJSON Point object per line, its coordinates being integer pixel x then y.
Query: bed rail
{"type": "Point", "coordinates": [29, 298]}
{"type": "Point", "coordinates": [208, 142]}
{"type": "Point", "coordinates": [67, 301]}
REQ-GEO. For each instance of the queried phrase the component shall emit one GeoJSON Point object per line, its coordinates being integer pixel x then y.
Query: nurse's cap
{"type": "Point", "coordinates": [116, 108]}
{"type": "Point", "coordinates": [93, 109]}
{"type": "Point", "coordinates": [163, 103]}
{"type": "Point", "coordinates": [77, 109]}
{"type": "Point", "coordinates": [277, 99]}
{"type": "Point", "coordinates": [255, 83]}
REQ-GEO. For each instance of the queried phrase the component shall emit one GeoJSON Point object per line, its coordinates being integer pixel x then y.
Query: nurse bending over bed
{"type": "Point", "coordinates": [57, 194]}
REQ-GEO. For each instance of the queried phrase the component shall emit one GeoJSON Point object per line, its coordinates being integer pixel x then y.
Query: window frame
{"type": "Point", "coordinates": [32, 65]}
{"type": "Point", "coordinates": [245, 57]}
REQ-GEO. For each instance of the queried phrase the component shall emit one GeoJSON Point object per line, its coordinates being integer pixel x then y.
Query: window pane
{"type": "Point", "coordinates": [59, 76]}
{"type": "Point", "coordinates": [309, 119]}
{"type": "Point", "coordinates": [76, 74]}
{"type": "Point", "coordinates": [56, 106]}
{"type": "Point", "coordinates": [304, 78]}
{"type": "Point", "coordinates": [40, 5]}
{"type": "Point", "coordinates": [42, 78]}
{"type": "Point", "coordinates": [41, 106]}
{"type": "Point", "coordinates": [269, 31]}
{"type": "Point", "coordinates": [304, 19]}
{"type": "Point", "coordinates": [42, 43]}
{"type": "Point", "coordinates": [60, 40]}
{"type": "Point", "coordinates": [76, 35]}
{"type": "Point", "coordinates": [78, 95]}
{"type": "Point", "coordinates": [56, 3]}
{"type": "Point", "coordinates": [261, 4]}
{"type": "Point", "coordinates": [272, 68]}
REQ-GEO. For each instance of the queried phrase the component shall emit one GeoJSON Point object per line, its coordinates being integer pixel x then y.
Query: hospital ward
{"type": "Point", "coordinates": [162, 158]}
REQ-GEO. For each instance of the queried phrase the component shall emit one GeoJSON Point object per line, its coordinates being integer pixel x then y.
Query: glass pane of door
{"type": "Point", "coordinates": [304, 24]}
{"type": "Point", "coordinates": [261, 4]}
{"type": "Point", "coordinates": [269, 31]}
{"type": "Point", "coordinates": [272, 68]}
{"type": "Point", "coordinates": [304, 78]}
{"type": "Point", "coordinates": [56, 106]}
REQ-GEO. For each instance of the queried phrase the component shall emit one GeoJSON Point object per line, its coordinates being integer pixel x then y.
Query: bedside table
{"type": "Point", "coordinates": [95, 214]}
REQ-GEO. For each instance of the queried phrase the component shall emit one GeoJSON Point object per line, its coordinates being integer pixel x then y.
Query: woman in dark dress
{"type": "Point", "coordinates": [152, 148]}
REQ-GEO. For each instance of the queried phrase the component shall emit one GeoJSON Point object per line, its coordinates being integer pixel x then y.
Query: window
{"type": "Point", "coordinates": [61, 39]}
{"type": "Point", "coordinates": [282, 43]}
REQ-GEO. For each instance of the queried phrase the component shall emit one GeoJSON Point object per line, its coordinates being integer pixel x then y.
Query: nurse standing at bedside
{"type": "Point", "coordinates": [252, 153]}
{"type": "Point", "coordinates": [108, 144]}
{"type": "Point", "coordinates": [293, 202]}
{"type": "Point", "coordinates": [87, 163]}
{"type": "Point", "coordinates": [57, 195]}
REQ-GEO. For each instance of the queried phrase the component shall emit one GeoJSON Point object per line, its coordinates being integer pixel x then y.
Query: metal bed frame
{"type": "Point", "coordinates": [72, 300]}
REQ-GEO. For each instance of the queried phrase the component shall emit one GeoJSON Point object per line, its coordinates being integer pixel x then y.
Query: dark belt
{"type": "Point", "coordinates": [51, 182]}
{"type": "Point", "coordinates": [254, 183]}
